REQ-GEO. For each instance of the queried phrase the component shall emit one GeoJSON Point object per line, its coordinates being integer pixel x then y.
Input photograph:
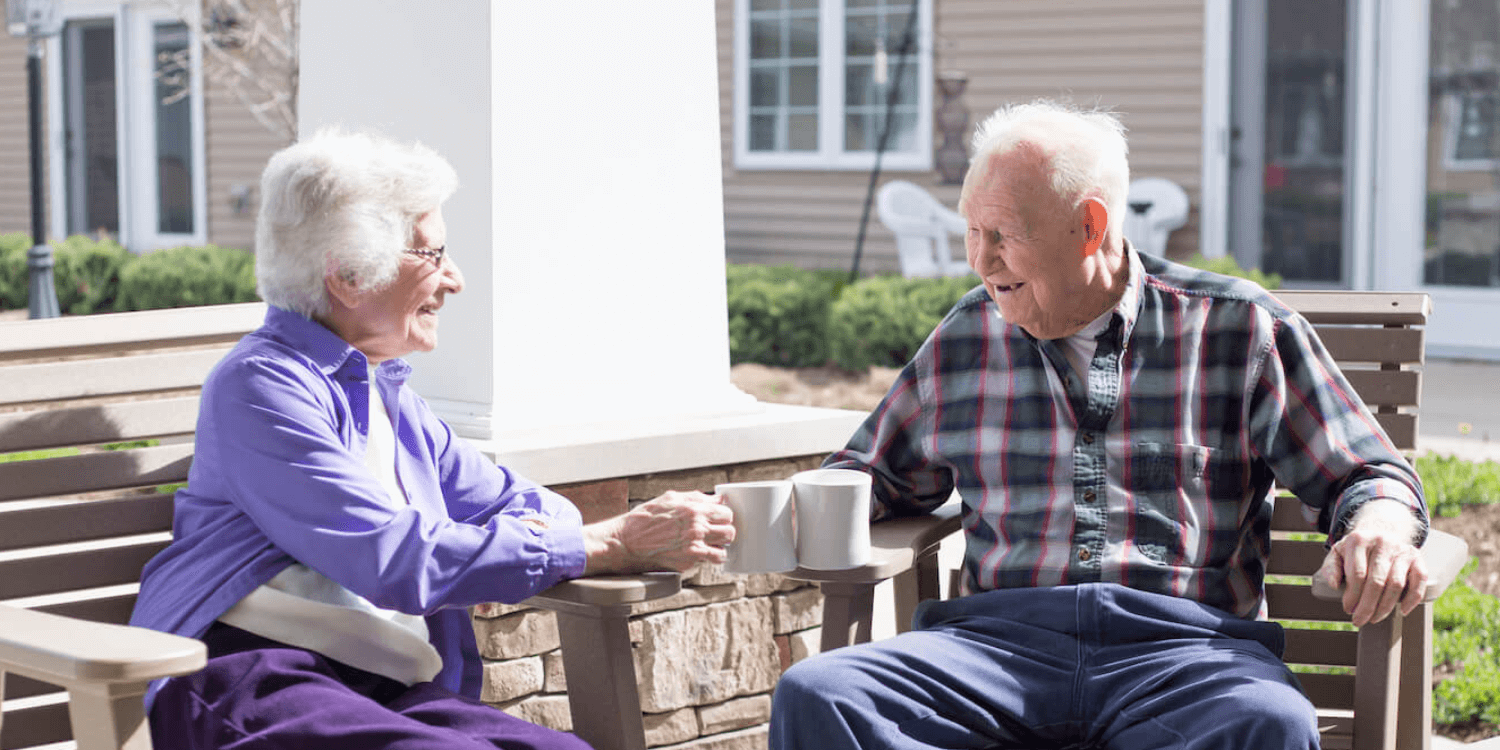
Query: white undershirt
{"type": "Point", "coordinates": [302, 607]}
{"type": "Point", "coordinates": [1080, 346]}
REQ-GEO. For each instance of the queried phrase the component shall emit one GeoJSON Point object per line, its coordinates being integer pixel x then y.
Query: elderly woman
{"type": "Point", "coordinates": [333, 530]}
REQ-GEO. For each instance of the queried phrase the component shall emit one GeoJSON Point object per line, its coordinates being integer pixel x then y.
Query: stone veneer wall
{"type": "Point", "coordinates": [706, 659]}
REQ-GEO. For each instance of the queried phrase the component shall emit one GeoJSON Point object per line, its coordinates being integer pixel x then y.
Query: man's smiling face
{"type": "Point", "coordinates": [1026, 246]}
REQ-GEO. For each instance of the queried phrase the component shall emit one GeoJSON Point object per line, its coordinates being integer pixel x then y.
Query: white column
{"type": "Point", "coordinates": [589, 218]}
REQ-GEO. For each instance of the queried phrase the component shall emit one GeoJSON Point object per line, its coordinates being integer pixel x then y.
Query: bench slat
{"type": "Point", "coordinates": [1403, 346]}
{"type": "Point", "coordinates": [1345, 307]}
{"type": "Point", "coordinates": [71, 571]}
{"type": "Point", "coordinates": [1330, 647]}
{"type": "Point", "coordinates": [85, 521]}
{"type": "Point", "coordinates": [1401, 429]}
{"type": "Point", "coordinates": [82, 334]}
{"type": "Point", "coordinates": [107, 377]}
{"type": "Point", "coordinates": [1334, 691]}
{"type": "Point", "coordinates": [114, 610]}
{"type": "Point", "coordinates": [38, 725]}
{"type": "Point", "coordinates": [1288, 601]}
{"type": "Point", "coordinates": [98, 423]}
{"type": "Point", "coordinates": [104, 470]}
{"type": "Point", "coordinates": [1295, 558]}
{"type": "Point", "coordinates": [1379, 388]}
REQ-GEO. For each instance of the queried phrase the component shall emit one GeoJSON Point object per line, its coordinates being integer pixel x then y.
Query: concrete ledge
{"type": "Point", "coordinates": [578, 453]}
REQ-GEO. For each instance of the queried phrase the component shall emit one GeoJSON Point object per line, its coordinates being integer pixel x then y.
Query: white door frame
{"type": "Point", "coordinates": [135, 129]}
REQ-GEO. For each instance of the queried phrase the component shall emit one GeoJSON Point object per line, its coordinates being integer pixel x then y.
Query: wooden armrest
{"type": "Point", "coordinates": [1444, 554]}
{"type": "Point", "coordinates": [894, 545]}
{"type": "Point", "coordinates": [66, 651]}
{"type": "Point", "coordinates": [608, 591]}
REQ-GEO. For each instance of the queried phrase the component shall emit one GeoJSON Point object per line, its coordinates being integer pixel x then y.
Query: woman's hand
{"type": "Point", "coordinates": [673, 532]}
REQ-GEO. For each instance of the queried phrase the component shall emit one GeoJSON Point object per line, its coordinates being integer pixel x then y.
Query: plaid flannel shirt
{"type": "Point", "coordinates": [1154, 471]}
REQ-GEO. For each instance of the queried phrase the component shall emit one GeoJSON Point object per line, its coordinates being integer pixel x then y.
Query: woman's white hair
{"type": "Point", "coordinates": [341, 203]}
{"type": "Point", "coordinates": [1086, 154]}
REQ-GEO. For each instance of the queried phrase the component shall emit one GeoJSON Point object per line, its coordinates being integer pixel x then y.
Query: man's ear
{"type": "Point", "coordinates": [342, 289]}
{"type": "Point", "coordinates": [1095, 218]}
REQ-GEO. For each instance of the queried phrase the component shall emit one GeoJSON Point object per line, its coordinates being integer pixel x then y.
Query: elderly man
{"type": "Point", "coordinates": [1113, 423]}
{"type": "Point", "coordinates": [334, 531]}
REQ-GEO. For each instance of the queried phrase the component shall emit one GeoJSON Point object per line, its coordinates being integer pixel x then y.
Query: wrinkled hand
{"type": "Point", "coordinates": [673, 532]}
{"type": "Point", "coordinates": [1376, 564]}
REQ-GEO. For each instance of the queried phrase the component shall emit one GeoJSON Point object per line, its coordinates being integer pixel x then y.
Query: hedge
{"type": "Point", "coordinates": [101, 276]}
{"type": "Point", "coordinates": [788, 317]}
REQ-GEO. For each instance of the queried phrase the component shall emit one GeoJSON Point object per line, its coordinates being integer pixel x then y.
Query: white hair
{"type": "Point", "coordinates": [1086, 154]}
{"type": "Point", "coordinates": [341, 203]}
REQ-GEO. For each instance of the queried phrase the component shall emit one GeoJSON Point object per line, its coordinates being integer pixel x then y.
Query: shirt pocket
{"type": "Point", "coordinates": [1170, 486]}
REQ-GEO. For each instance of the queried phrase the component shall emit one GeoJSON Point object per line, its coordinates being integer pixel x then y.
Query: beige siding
{"type": "Point", "coordinates": [15, 153]}
{"type": "Point", "coordinates": [1141, 58]}
{"type": "Point", "coordinates": [237, 149]}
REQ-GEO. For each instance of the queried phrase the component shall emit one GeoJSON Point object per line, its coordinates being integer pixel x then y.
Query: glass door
{"type": "Point", "coordinates": [91, 146]}
{"type": "Point", "coordinates": [1289, 115]}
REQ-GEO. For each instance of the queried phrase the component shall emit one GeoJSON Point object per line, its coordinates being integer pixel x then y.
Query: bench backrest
{"type": "Point", "coordinates": [1377, 338]}
{"type": "Point", "coordinates": [77, 525]}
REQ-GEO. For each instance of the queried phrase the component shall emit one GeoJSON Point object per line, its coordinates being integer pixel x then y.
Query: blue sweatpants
{"type": "Point", "coordinates": [1088, 666]}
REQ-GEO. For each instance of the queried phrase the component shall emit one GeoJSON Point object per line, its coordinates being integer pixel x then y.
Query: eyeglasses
{"type": "Point", "coordinates": [436, 256]}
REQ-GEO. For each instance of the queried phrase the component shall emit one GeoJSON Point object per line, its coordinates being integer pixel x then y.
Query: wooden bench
{"type": "Point", "coordinates": [1386, 703]}
{"type": "Point", "coordinates": [77, 525]}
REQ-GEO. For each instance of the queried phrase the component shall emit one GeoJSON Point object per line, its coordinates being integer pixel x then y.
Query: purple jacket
{"type": "Point", "coordinates": [279, 477]}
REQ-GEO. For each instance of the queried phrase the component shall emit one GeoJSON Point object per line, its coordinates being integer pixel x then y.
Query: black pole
{"type": "Point", "coordinates": [885, 135]}
{"type": "Point", "coordinates": [41, 294]}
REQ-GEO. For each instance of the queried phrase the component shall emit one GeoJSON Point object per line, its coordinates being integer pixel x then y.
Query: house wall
{"type": "Point", "coordinates": [15, 154]}
{"type": "Point", "coordinates": [1141, 58]}
{"type": "Point", "coordinates": [236, 149]}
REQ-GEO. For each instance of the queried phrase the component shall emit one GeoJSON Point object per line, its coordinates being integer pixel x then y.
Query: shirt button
{"type": "Point", "coordinates": [1088, 438]}
{"type": "Point", "coordinates": [1085, 555]}
{"type": "Point", "coordinates": [1088, 496]}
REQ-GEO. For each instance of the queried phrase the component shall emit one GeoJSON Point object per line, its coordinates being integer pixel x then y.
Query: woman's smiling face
{"type": "Point", "coordinates": [402, 318]}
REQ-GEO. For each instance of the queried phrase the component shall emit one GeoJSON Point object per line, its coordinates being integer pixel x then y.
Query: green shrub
{"type": "Point", "coordinates": [778, 315]}
{"type": "Point", "coordinates": [1449, 482]}
{"type": "Point", "coordinates": [86, 274]}
{"type": "Point", "coordinates": [882, 320]}
{"type": "Point", "coordinates": [187, 276]}
{"type": "Point", "coordinates": [1227, 266]}
{"type": "Point", "coordinates": [13, 270]}
{"type": "Point", "coordinates": [1466, 627]}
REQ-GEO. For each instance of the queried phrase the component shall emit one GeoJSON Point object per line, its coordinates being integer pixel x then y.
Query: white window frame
{"type": "Point", "coordinates": [135, 125]}
{"type": "Point", "coordinates": [830, 154]}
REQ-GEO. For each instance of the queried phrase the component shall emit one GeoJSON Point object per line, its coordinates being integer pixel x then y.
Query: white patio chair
{"type": "Point", "coordinates": [1155, 207]}
{"type": "Point", "coordinates": [921, 225]}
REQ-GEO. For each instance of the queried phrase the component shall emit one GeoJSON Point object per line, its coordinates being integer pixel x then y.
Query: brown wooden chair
{"type": "Point", "coordinates": [77, 527]}
{"type": "Point", "coordinates": [1372, 688]}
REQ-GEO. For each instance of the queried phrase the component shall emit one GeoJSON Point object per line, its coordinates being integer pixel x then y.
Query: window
{"type": "Point", "coordinates": [813, 78]}
{"type": "Point", "coordinates": [128, 152]}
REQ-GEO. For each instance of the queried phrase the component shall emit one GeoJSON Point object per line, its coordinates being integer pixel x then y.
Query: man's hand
{"type": "Point", "coordinates": [1376, 563]}
{"type": "Point", "coordinates": [673, 532]}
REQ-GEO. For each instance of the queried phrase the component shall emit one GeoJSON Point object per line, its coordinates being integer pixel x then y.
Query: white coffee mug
{"type": "Point", "coordinates": [833, 518]}
{"type": "Point", "coordinates": [763, 540]}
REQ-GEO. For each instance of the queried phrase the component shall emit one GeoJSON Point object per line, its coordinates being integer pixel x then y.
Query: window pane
{"type": "Point", "coordinates": [859, 84]}
{"type": "Point", "coordinates": [757, 5]}
{"type": "Point", "coordinates": [1303, 217]}
{"type": "Point", "coordinates": [765, 38]}
{"type": "Point", "coordinates": [802, 4]}
{"type": "Point", "coordinates": [804, 37]}
{"type": "Point", "coordinates": [93, 187]}
{"type": "Point", "coordinates": [765, 87]}
{"type": "Point", "coordinates": [859, 35]}
{"type": "Point", "coordinates": [859, 133]}
{"type": "Point", "coordinates": [763, 132]}
{"type": "Point", "coordinates": [802, 132]}
{"type": "Point", "coordinates": [1463, 169]}
{"type": "Point", "coordinates": [803, 85]}
{"type": "Point", "coordinates": [174, 135]}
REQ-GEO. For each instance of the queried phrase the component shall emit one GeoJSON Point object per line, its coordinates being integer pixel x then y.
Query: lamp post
{"type": "Point", "coordinates": [36, 20]}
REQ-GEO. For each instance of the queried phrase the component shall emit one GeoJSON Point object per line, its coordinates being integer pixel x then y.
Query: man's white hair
{"type": "Point", "coordinates": [341, 203]}
{"type": "Point", "coordinates": [1086, 154]}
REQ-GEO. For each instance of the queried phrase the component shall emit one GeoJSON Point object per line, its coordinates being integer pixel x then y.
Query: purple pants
{"type": "Point", "coordinates": [258, 693]}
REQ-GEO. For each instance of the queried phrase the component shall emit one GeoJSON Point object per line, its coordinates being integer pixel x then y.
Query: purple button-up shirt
{"type": "Point", "coordinates": [279, 477]}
